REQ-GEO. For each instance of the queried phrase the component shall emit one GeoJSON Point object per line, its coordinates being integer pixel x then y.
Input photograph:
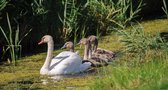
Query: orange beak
{"type": "Point", "coordinates": [41, 42]}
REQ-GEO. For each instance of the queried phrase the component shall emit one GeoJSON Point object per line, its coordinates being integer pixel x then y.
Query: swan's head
{"type": "Point", "coordinates": [68, 45]}
{"type": "Point", "coordinates": [83, 41]}
{"type": "Point", "coordinates": [45, 39]}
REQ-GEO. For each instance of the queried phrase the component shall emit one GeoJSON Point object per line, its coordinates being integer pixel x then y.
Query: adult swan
{"type": "Point", "coordinates": [64, 63]}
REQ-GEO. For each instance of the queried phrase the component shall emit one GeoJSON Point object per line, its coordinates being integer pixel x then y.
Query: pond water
{"type": "Point", "coordinates": [50, 79]}
{"type": "Point", "coordinates": [75, 81]}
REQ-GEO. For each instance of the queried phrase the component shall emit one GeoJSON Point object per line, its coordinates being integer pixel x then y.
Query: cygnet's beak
{"type": "Point", "coordinates": [63, 47]}
{"type": "Point", "coordinates": [79, 44]}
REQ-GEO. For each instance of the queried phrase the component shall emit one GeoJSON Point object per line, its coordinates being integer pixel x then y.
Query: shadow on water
{"type": "Point", "coordinates": [91, 72]}
{"type": "Point", "coordinates": [39, 82]}
{"type": "Point", "coordinates": [24, 83]}
{"type": "Point", "coordinates": [164, 36]}
{"type": "Point", "coordinates": [52, 80]}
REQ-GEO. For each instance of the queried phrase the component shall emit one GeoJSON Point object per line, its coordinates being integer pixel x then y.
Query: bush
{"type": "Point", "coordinates": [66, 20]}
{"type": "Point", "coordinates": [136, 40]}
{"type": "Point", "coordinates": [108, 15]}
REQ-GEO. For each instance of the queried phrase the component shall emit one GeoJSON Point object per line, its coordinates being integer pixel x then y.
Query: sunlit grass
{"type": "Point", "coordinates": [135, 75]}
{"type": "Point", "coordinates": [126, 72]}
{"type": "Point", "coordinates": [132, 73]}
{"type": "Point", "coordinates": [154, 26]}
{"type": "Point", "coordinates": [25, 75]}
{"type": "Point", "coordinates": [111, 42]}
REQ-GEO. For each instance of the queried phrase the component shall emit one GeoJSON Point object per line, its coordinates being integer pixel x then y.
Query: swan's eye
{"type": "Point", "coordinates": [43, 39]}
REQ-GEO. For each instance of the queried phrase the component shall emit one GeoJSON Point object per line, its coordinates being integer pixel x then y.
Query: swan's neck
{"type": "Point", "coordinates": [72, 49]}
{"type": "Point", "coordinates": [49, 55]}
{"type": "Point", "coordinates": [87, 52]}
{"type": "Point", "coordinates": [95, 46]}
{"type": "Point", "coordinates": [90, 52]}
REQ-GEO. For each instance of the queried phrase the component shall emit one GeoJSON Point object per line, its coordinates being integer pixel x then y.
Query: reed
{"type": "Point", "coordinates": [69, 19]}
{"type": "Point", "coordinates": [13, 45]}
{"type": "Point", "coordinates": [142, 66]}
{"type": "Point", "coordinates": [109, 15]}
{"type": "Point", "coordinates": [38, 7]}
{"type": "Point", "coordinates": [164, 8]}
{"type": "Point", "coordinates": [3, 4]}
{"type": "Point", "coordinates": [136, 40]}
{"type": "Point", "coordinates": [147, 76]}
{"type": "Point", "coordinates": [83, 33]}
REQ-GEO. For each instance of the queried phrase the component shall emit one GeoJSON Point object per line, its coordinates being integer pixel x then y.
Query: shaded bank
{"type": "Point", "coordinates": [152, 9]}
{"type": "Point", "coordinates": [44, 18]}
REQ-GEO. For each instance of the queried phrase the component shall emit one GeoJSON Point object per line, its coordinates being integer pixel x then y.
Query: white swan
{"type": "Point", "coordinates": [64, 63]}
{"type": "Point", "coordinates": [69, 45]}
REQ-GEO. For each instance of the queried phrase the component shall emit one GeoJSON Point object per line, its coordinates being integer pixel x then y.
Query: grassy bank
{"type": "Point", "coordinates": [125, 73]}
{"type": "Point", "coordinates": [132, 74]}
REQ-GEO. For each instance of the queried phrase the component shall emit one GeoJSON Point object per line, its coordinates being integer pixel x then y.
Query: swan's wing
{"type": "Point", "coordinates": [84, 66]}
{"type": "Point", "coordinates": [61, 56]}
{"type": "Point", "coordinates": [57, 60]}
{"type": "Point", "coordinates": [74, 64]}
{"type": "Point", "coordinates": [67, 65]}
{"type": "Point", "coordinates": [64, 54]}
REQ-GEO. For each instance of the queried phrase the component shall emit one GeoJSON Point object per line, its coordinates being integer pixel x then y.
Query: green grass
{"type": "Point", "coordinates": [155, 26]}
{"type": "Point", "coordinates": [127, 72]}
{"type": "Point", "coordinates": [25, 75]}
{"type": "Point", "coordinates": [134, 75]}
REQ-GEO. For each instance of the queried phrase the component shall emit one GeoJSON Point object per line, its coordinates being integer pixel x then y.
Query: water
{"type": "Point", "coordinates": [58, 78]}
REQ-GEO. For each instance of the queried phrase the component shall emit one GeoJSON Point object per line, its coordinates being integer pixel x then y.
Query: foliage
{"type": "Point", "coordinates": [146, 76]}
{"type": "Point", "coordinates": [124, 73]}
{"type": "Point", "coordinates": [108, 15]}
{"type": "Point", "coordinates": [136, 40]}
{"type": "Point", "coordinates": [38, 7]}
{"type": "Point", "coordinates": [69, 19]}
{"type": "Point", "coordinates": [165, 8]}
{"type": "Point", "coordinates": [83, 33]}
{"type": "Point", "coordinates": [127, 71]}
{"type": "Point", "coordinates": [3, 4]}
{"type": "Point", "coordinates": [13, 44]}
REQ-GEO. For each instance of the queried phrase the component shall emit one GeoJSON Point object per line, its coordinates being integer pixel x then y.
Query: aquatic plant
{"type": "Point", "coordinates": [13, 45]}
{"type": "Point", "coordinates": [164, 8]}
{"type": "Point", "coordinates": [109, 15]}
{"type": "Point", "coordinates": [38, 7]}
{"type": "Point", "coordinates": [3, 4]}
{"type": "Point", "coordinates": [69, 19]}
{"type": "Point", "coordinates": [124, 73]}
{"type": "Point", "coordinates": [136, 40]}
{"type": "Point", "coordinates": [141, 76]}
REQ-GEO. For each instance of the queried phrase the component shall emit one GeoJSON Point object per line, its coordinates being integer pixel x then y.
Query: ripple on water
{"type": "Point", "coordinates": [45, 80]}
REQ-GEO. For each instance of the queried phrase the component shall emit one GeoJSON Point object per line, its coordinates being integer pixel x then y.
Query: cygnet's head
{"type": "Point", "coordinates": [83, 41]}
{"type": "Point", "coordinates": [92, 38]}
{"type": "Point", "coordinates": [68, 45]}
{"type": "Point", "coordinates": [45, 39]}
